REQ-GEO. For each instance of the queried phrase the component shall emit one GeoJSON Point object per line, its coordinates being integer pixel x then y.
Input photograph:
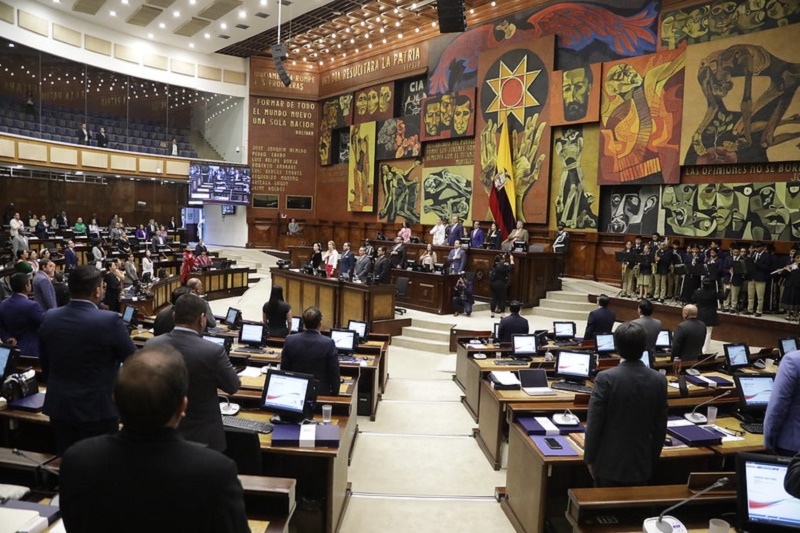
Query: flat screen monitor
{"type": "Point", "coordinates": [219, 183]}
{"type": "Point", "coordinates": [574, 366]}
{"type": "Point", "coordinates": [289, 394]}
{"type": "Point", "coordinates": [233, 317]}
{"type": "Point", "coordinates": [345, 340]}
{"type": "Point", "coordinates": [737, 355]}
{"type": "Point", "coordinates": [647, 359]}
{"type": "Point", "coordinates": [664, 339]}
{"type": "Point", "coordinates": [605, 343]}
{"type": "Point", "coordinates": [129, 315]}
{"type": "Point", "coordinates": [496, 330]}
{"type": "Point", "coordinates": [787, 345]}
{"type": "Point", "coordinates": [222, 341]}
{"type": "Point", "coordinates": [524, 346]}
{"type": "Point", "coordinates": [252, 334]}
{"type": "Point", "coordinates": [8, 359]}
{"type": "Point", "coordinates": [763, 505]}
{"type": "Point", "coordinates": [754, 392]}
{"type": "Point", "coordinates": [564, 330]}
{"type": "Point", "coordinates": [228, 209]}
{"type": "Point", "coordinates": [438, 267]}
{"type": "Point", "coordinates": [519, 246]}
{"type": "Point", "coordinates": [360, 327]}
{"type": "Point", "coordinates": [297, 325]}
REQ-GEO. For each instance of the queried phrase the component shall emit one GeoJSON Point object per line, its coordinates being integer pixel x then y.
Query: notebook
{"type": "Point", "coordinates": [534, 382]}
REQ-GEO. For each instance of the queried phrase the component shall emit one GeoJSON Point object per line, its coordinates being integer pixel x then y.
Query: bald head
{"type": "Point", "coordinates": [689, 311]}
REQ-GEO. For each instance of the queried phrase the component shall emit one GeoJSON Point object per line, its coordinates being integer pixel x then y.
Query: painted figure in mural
{"type": "Point", "coordinates": [431, 117]}
{"type": "Point", "coordinates": [447, 194]}
{"type": "Point", "coordinates": [573, 204]}
{"type": "Point", "coordinates": [629, 209]}
{"type": "Point", "coordinates": [781, 10]}
{"type": "Point", "coordinates": [462, 114]}
{"type": "Point", "coordinates": [384, 98]}
{"type": "Point", "coordinates": [751, 15]}
{"type": "Point", "coordinates": [359, 146]}
{"type": "Point", "coordinates": [361, 104]}
{"type": "Point", "coordinates": [325, 147]}
{"type": "Point", "coordinates": [576, 87]}
{"type": "Point", "coordinates": [344, 148]}
{"type": "Point", "coordinates": [722, 18]}
{"type": "Point", "coordinates": [372, 101]}
{"type": "Point", "coordinates": [759, 115]}
{"type": "Point", "coordinates": [769, 217]}
{"type": "Point", "coordinates": [400, 193]}
{"type": "Point", "coordinates": [446, 111]}
{"type": "Point", "coordinates": [345, 101]}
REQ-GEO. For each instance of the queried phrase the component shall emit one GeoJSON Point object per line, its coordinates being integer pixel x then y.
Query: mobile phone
{"type": "Point", "coordinates": [552, 443]}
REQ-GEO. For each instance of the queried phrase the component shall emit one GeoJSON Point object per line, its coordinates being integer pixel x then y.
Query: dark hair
{"type": "Point", "coordinates": [708, 283]}
{"type": "Point", "coordinates": [514, 307]}
{"type": "Point", "coordinates": [43, 263]}
{"type": "Point", "coordinates": [630, 340]}
{"type": "Point", "coordinates": [462, 99]}
{"type": "Point", "coordinates": [150, 387]}
{"type": "Point", "coordinates": [20, 253]}
{"type": "Point", "coordinates": [19, 281]}
{"type": "Point", "coordinates": [177, 293]}
{"type": "Point", "coordinates": [603, 300]}
{"type": "Point", "coordinates": [275, 299]}
{"type": "Point", "coordinates": [312, 318]}
{"type": "Point", "coordinates": [83, 281]}
{"type": "Point", "coordinates": [188, 308]}
{"type": "Point", "coordinates": [646, 307]}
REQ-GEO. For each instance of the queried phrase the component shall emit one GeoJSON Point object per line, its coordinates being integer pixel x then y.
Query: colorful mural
{"type": "Point", "coordinates": [640, 119]}
{"type": "Point", "coordinates": [574, 191]}
{"type": "Point", "coordinates": [448, 116]}
{"type": "Point", "coordinates": [399, 194]}
{"type": "Point", "coordinates": [398, 138]}
{"type": "Point", "coordinates": [360, 181]}
{"type": "Point", "coordinates": [576, 95]}
{"type": "Point", "coordinates": [629, 209]}
{"type": "Point", "coordinates": [447, 191]}
{"type": "Point", "coordinates": [374, 103]}
{"type": "Point", "coordinates": [410, 94]}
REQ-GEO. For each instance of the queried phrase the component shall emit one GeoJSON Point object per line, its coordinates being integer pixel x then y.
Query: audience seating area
{"type": "Point", "coordinates": [61, 124]}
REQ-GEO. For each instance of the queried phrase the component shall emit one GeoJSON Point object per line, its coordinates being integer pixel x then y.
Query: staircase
{"type": "Point", "coordinates": [426, 336]}
{"type": "Point", "coordinates": [567, 305]}
{"type": "Point", "coordinates": [254, 259]}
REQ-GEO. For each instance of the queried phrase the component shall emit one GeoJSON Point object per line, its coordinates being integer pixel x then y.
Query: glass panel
{"type": "Point", "coordinates": [147, 117]}
{"type": "Point", "coordinates": [19, 90]}
{"type": "Point", "coordinates": [106, 106]}
{"type": "Point", "coordinates": [63, 96]}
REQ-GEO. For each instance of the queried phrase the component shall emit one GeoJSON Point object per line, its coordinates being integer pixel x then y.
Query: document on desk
{"type": "Point", "coordinates": [726, 434]}
{"type": "Point", "coordinates": [250, 372]}
{"type": "Point", "coordinates": [21, 520]}
{"type": "Point", "coordinates": [504, 377]}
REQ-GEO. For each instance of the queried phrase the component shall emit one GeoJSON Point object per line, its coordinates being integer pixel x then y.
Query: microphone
{"type": "Point", "coordinates": [697, 418]}
{"type": "Point", "coordinates": [670, 524]}
{"type": "Point", "coordinates": [39, 464]}
{"type": "Point", "coordinates": [691, 370]}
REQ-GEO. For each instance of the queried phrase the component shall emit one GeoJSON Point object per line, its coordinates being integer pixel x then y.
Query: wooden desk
{"type": "Point", "coordinates": [428, 292]}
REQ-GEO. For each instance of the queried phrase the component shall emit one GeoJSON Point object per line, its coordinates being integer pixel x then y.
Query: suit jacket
{"type": "Point", "coordinates": [457, 264]}
{"type": "Point", "coordinates": [20, 318]}
{"type": "Point", "coordinates": [157, 242]}
{"type": "Point", "coordinates": [70, 259]}
{"type": "Point", "coordinates": [155, 481]}
{"type": "Point", "coordinates": [601, 320]}
{"type": "Point", "coordinates": [456, 234]}
{"type": "Point", "coordinates": [706, 300]}
{"type": "Point", "coordinates": [363, 267]}
{"type": "Point", "coordinates": [80, 349]}
{"type": "Point", "coordinates": [41, 230]}
{"type": "Point", "coordinates": [383, 270]}
{"type": "Point", "coordinates": [688, 340]}
{"type": "Point", "coordinates": [309, 352]}
{"type": "Point", "coordinates": [652, 327]}
{"type": "Point", "coordinates": [512, 325]}
{"type": "Point", "coordinates": [83, 136]}
{"type": "Point", "coordinates": [43, 291]}
{"type": "Point", "coordinates": [200, 249]}
{"type": "Point", "coordinates": [476, 238]}
{"type": "Point", "coordinates": [763, 267]}
{"type": "Point", "coordinates": [209, 369]}
{"type": "Point", "coordinates": [102, 139]}
{"type": "Point", "coordinates": [663, 262]}
{"type": "Point", "coordinates": [791, 482]}
{"type": "Point", "coordinates": [398, 257]}
{"type": "Point", "coordinates": [164, 322]}
{"type": "Point", "coordinates": [560, 242]}
{"type": "Point", "coordinates": [130, 273]}
{"type": "Point", "coordinates": [627, 411]}
{"type": "Point", "coordinates": [782, 421]}
{"type": "Point", "coordinates": [347, 262]}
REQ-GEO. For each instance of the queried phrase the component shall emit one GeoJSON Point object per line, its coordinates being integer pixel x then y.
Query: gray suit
{"type": "Point", "coordinates": [652, 327]}
{"type": "Point", "coordinates": [363, 267]}
{"type": "Point", "coordinates": [626, 424]}
{"type": "Point", "coordinates": [209, 369]}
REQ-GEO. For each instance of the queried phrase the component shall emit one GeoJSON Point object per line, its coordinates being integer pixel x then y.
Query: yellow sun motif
{"type": "Point", "coordinates": [511, 90]}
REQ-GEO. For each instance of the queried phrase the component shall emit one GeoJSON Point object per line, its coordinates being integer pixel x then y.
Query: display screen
{"type": "Point", "coordinates": [128, 314]}
{"type": "Point", "coordinates": [344, 339]}
{"type": "Point", "coordinates": [788, 345]}
{"type": "Point", "coordinates": [646, 358]}
{"type": "Point", "coordinates": [737, 355]}
{"type": "Point", "coordinates": [564, 330]}
{"type": "Point", "coordinates": [5, 355]}
{"type": "Point", "coordinates": [524, 344]}
{"type": "Point", "coordinates": [768, 503]}
{"type": "Point", "coordinates": [295, 324]}
{"type": "Point", "coordinates": [286, 392]}
{"type": "Point", "coordinates": [574, 364]}
{"type": "Point", "coordinates": [252, 334]}
{"type": "Point", "coordinates": [756, 390]}
{"type": "Point", "coordinates": [219, 183]}
{"type": "Point", "coordinates": [231, 317]}
{"type": "Point", "coordinates": [359, 327]}
{"type": "Point", "coordinates": [605, 343]}
{"type": "Point", "coordinates": [664, 339]}
{"type": "Point", "coordinates": [215, 340]}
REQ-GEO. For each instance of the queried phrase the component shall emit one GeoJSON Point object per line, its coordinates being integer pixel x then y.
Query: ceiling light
{"type": "Point", "coordinates": [149, 35]}
{"type": "Point", "coordinates": [416, 30]}
{"type": "Point", "coordinates": [382, 30]}
{"type": "Point", "coordinates": [207, 35]}
{"type": "Point", "coordinates": [125, 2]}
{"type": "Point", "coordinates": [399, 35]}
{"type": "Point", "coordinates": [397, 24]}
{"type": "Point", "coordinates": [242, 14]}
{"type": "Point", "coordinates": [191, 45]}
{"type": "Point", "coordinates": [363, 23]}
{"type": "Point", "coordinates": [112, 13]}
{"type": "Point", "coordinates": [10, 45]}
{"type": "Point", "coordinates": [176, 13]}
{"type": "Point", "coordinates": [433, 23]}
{"type": "Point", "coordinates": [384, 40]}
{"type": "Point", "coordinates": [223, 26]}
{"type": "Point", "coordinates": [494, 3]}
{"type": "Point", "coordinates": [263, 2]}
{"type": "Point", "coordinates": [192, 2]}
{"type": "Point", "coordinates": [471, 11]}
{"type": "Point", "coordinates": [162, 25]}
{"type": "Point", "coordinates": [370, 45]}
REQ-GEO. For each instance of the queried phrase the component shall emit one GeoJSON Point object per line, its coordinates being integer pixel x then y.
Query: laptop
{"type": "Point", "coordinates": [534, 382]}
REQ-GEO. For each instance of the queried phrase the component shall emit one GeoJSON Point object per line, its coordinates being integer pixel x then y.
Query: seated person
{"type": "Point", "coordinates": [147, 477]}
{"type": "Point", "coordinates": [513, 324]}
{"type": "Point", "coordinates": [309, 352]}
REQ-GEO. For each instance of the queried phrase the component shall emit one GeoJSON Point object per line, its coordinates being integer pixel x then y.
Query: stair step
{"type": "Point", "coordinates": [427, 334]}
{"type": "Point", "coordinates": [567, 305]}
{"type": "Point", "coordinates": [423, 345]}
{"type": "Point", "coordinates": [427, 324]}
{"type": "Point", "coordinates": [569, 296]}
{"type": "Point", "coordinates": [558, 313]}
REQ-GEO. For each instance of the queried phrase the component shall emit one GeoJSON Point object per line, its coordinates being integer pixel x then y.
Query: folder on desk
{"type": "Point", "coordinates": [49, 512]}
{"type": "Point", "coordinates": [541, 425]}
{"type": "Point", "coordinates": [691, 434]}
{"type": "Point", "coordinates": [707, 381]}
{"type": "Point", "coordinates": [30, 404]}
{"type": "Point", "coordinates": [504, 380]}
{"type": "Point", "coordinates": [306, 436]}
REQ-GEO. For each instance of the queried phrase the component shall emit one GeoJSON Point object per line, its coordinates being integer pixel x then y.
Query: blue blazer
{"type": "Point", "coordinates": [457, 265]}
{"type": "Point", "coordinates": [456, 234]}
{"type": "Point", "coordinates": [347, 262]}
{"type": "Point", "coordinates": [310, 352]}
{"type": "Point", "coordinates": [601, 320]}
{"type": "Point", "coordinates": [80, 349]}
{"type": "Point", "coordinates": [20, 318]}
{"type": "Point", "coordinates": [70, 259]}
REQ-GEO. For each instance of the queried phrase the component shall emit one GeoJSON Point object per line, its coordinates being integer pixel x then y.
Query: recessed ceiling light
{"type": "Point", "coordinates": [384, 40]}
{"type": "Point", "coordinates": [263, 2]}
{"type": "Point", "coordinates": [149, 35]}
{"type": "Point", "coordinates": [399, 35]}
{"type": "Point", "coordinates": [176, 13]}
{"type": "Point", "coordinates": [471, 11]}
{"type": "Point", "coordinates": [223, 26]}
{"type": "Point", "coordinates": [192, 2]}
{"type": "Point", "coordinates": [207, 35]}
{"type": "Point", "coordinates": [494, 3]}
{"type": "Point", "coordinates": [162, 25]}
{"type": "Point", "coordinates": [125, 2]}
{"type": "Point", "coordinates": [416, 30]}
{"type": "Point", "coordinates": [397, 24]}
{"type": "Point", "coordinates": [191, 45]}
{"type": "Point", "coordinates": [112, 13]}
{"type": "Point", "coordinates": [10, 45]}
{"type": "Point", "coordinates": [242, 14]}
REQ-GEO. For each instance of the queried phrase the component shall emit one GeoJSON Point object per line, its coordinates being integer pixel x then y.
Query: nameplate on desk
{"type": "Point", "coordinates": [306, 436]}
{"type": "Point", "coordinates": [709, 381]}
{"type": "Point", "coordinates": [541, 425]}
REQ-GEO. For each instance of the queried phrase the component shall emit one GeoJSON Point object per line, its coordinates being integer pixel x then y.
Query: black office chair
{"type": "Point", "coordinates": [401, 291]}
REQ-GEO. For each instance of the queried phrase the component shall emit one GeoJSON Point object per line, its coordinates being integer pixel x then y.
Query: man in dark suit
{"type": "Point", "coordinates": [209, 369]}
{"type": "Point", "coordinates": [62, 220]}
{"type": "Point", "coordinates": [200, 248]}
{"type": "Point", "coordinates": [627, 419]}
{"type": "Point", "coordinates": [83, 135]}
{"type": "Point", "coordinates": [651, 326]}
{"type": "Point", "coordinates": [756, 289]}
{"type": "Point", "coordinates": [157, 242]}
{"type": "Point", "coordinates": [147, 477]}
{"type": "Point", "coordinates": [457, 258]}
{"type": "Point", "coordinates": [43, 291]}
{"type": "Point", "coordinates": [456, 232]}
{"type": "Point", "coordinates": [601, 320]}
{"type": "Point", "coordinates": [383, 270]}
{"type": "Point", "coordinates": [363, 265]}
{"type": "Point", "coordinates": [101, 138]}
{"type": "Point", "coordinates": [311, 353]}
{"type": "Point", "coordinates": [347, 261]}
{"type": "Point", "coordinates": [397, 257]}
{"type": "Point", "coordinates": [80, 349]}
{"type": "Point", "coordinates": [513, 324]}
{"type": "Point", "coordinates": [20, 317]}
{"type": "Point", "coordinates": [70, 257]}
{"type": "Point", "coordinates": [165, 319]}
{"type": "Point", "coordinates": [689, 336]}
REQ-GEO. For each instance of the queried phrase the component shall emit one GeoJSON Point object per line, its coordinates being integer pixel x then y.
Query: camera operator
{"type": "Point", "coordinates": [499, 281]}
{"type": "Point", "coordinates": [462, 299]}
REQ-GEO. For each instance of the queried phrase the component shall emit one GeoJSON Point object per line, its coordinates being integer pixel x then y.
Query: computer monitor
{"type": "Point", "coordinates": [252, 335]}
{"type": "Point", "coordinates": [763, 505]}
{"type": "Point", "coordinates": [496, 330]}
{"type": "Point", "coordinates": [297, 325]}
{"type": "Point", "coordinates": [787, 345]}
{"type": "Point", "coordinates": [465, 245]}
{"type": "Point", "coordinates": [523, 346]}
{"type": "Point", "coordinates": [519, 246]}
{"type": "Point", "coordinates": [345, 340]}
{"type": "Point", "coordinates": [410, 264]}
{"type": "Point", "coordinates": [129, 316]}
{"type": "Point", "coordinates": [605, 343]}
{"type": "Point", "coordinates": [754, 393]}
{"type": "Point", "coordinates": [233, 317]}
{"type": "Point", "coordinates": [647, 359]}
{"type": "Point", "coordinates": [438, 267]}
{"type": "Point", "coordinates": [360, 327]}
{"type": "Point", "coordinates": [574, 366]}
{"type": "Point", "coordinates": [664, 339]}
{"type": "Point", "coordinates": [737, 355]}
{"type": "Point", "coordinates": [225, 342]}
{"type": "Point", "coordinates": [8, 359]}
{"type": "Point", "coordinates": [289, 394]}
{"type": "Point", "coordinates": [564, 330]}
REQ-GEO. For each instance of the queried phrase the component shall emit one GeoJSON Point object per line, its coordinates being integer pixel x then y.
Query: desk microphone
{"type": "Point", "coordinates": [670, 524]}
{"type": "Point", "coordinates": [38, 464]}
{"type": "Point", "coordinates": [691, 370]}
{"type": "Point", "coordinates": [697, 418]}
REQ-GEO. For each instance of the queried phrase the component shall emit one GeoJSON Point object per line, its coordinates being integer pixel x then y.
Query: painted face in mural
{"type": "Point", "coordinates": [432, 118]}
{"type": "Point", "coordinates": [672, 28]}
{"type": "Point", "coordinates": [682, 215]}
{"type": "Point", "coordinates": [361, 103]}
{"type": "Point", "coordinates": [628, 210]}
{"type": "Point", "coordinates": [446, 110]}
{"type": "Point", "coordinates": [325, 148]}
{"type": "Point", "coordinates": [723, 16]}
{"type": "Point", "coordinates": [372, 101]}
{"type": "Point", "coordinates": [769, 210]}
{"type": "Point", "coordinates": [576, 87]}
{"type": "Point", "coordinates": [726, 207]}
{"type": "Point", "coordinates": [751, 14]}
{"type": "Point", "coordinates": [780, 9]}
{"type": "Point", "coordinates": [622, 79]}
{"type": "Point", "coordinates": [462, 114]}
{"type": "Point", "coordinates": [697, 23]}
{"type": "Point", "coordinates": [385, 98]}
{"type": "Point", "coordinates": [793, 196]}
{"type": "Point", "coordinates": [345, 101]}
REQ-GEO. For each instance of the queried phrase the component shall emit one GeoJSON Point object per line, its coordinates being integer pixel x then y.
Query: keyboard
{"type": "Point", "coordinates": [756, 428]}
{"type": "Point", "coordinates": [249, 349]}
{"type": "Point", "coordinates": [567, 342]}
{"type": "Point", "coordinates": [347, 359]}
{"type": "Point", "coordinates": [256, 426]}
{"type": "Point", "coordinates": [571, 387]}
{"type": "Point", "coordinates": [512, 362]}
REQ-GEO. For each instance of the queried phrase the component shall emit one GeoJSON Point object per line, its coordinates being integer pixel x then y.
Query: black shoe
{"type": "Point", "coordinates": [756, 315]}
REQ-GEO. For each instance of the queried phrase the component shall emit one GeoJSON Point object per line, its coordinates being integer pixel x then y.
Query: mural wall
{"type": "Point", "coordinates": [574, 193]}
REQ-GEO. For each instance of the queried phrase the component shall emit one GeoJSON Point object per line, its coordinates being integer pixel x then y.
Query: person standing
{"type": "Point", "coordinates": [493, 238]}
{"type": "Point", "coordinates": [439, 232]}
{"type": "Point", "coordinates": [113, 280]}
{"type": "Point", "coordinates": [499, 281]}
{"type": "Point", "coordinates": [628, 272]}
{"type": "Point", "coordinates": [428, 258]}
{"type": "Point", "coordinates": [756, 288]}
{"type": "Point", "coordinates": [331, 260]}
{"type": "Point", "coordinates": [293, 227]}
{"type": "Point", "coordinates": [363, 265]}
{"type": "Point", "coordinates": [310, 352]}
{"type": "Point", "coordinates": [80, 349]}
{"type": "Point", "coordinates": [513, 324]}
{"type": "Point", "coordinates": [383, 269]}
{"type": "Point", "coordinates": [561, 240]}
{"type": "Point", "coordinates": [209, 369]}
{"type": "Point", "coordinates": [663, 262]}
{"type": "Point", "coordinates": [70, 257]}
{"type": "Point", "coordinates": [43, 291]}
{"type": "Point", "coordinates": [397, 257]}
{"type": "Point", "coordinates": [277, 313]}
{"type": "Point", "coordinates": [83, 135]}
{"type": "Point", "coordinates": [405, 232]}
{"type": "Point", "coordinates": [20, 317]}
{"type": "Point", "coordinates": [707, 299]}
{"type": "Point", "coordinates": [101, 138]}
{"type": "Point", "coordinates": [782, 421]}
{"type": "Point", "coordinates": [457, 258]}
{"type": "Point", "coordinates": [689, 337]}
{"type": "Point", "coordinates": [476, 235]}
{"type": "Point", "coordinates": [456, 232]}
{"type": "Point", "coordinates": [347, 261]}
{"type": "Point", "coordinates": [601, 320]}
{"type": "Point", "coordinates": [790, 300]}
{"type": "Point", "coordinates": [627, 411]}
{"type": "Point", "coordinates": [652, 326]}
{"type": "Point", "coordinates": [18, 239]}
